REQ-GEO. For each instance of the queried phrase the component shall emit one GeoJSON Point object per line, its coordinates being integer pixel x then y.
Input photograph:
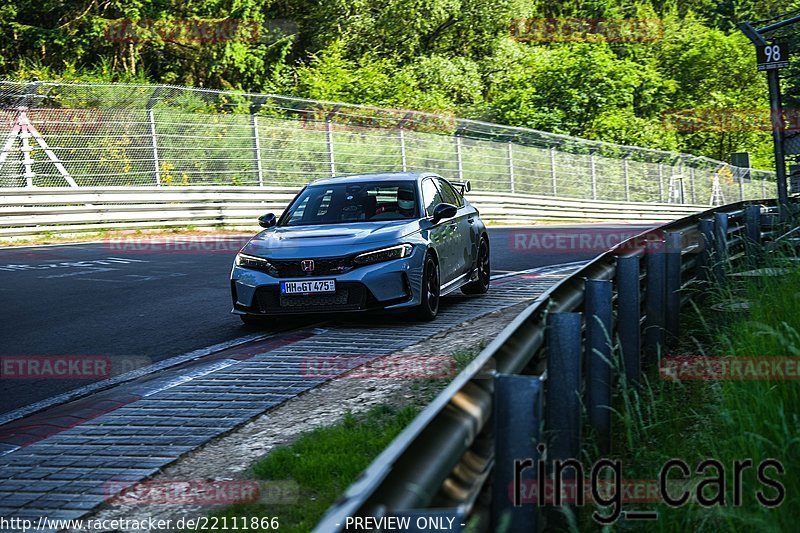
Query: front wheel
{"type": "Point", "coordinates": [429, 297]}
{"type": "Point", "coordinates": [481, 284]}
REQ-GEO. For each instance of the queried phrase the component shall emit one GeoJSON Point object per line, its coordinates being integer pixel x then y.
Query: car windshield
{"type": "Point", "coordinates": [338, 203]}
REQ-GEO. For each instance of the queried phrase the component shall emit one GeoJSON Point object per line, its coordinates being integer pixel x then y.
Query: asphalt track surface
{"type": "Point", "coordinates": [138, 302]}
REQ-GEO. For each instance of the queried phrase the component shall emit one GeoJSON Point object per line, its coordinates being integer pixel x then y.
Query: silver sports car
{"type": "Point", "coordinates": [395, 241]}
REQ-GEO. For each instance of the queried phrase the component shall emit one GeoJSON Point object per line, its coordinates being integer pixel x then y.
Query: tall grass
{"type": "Point", "coordinates": [724, 420]}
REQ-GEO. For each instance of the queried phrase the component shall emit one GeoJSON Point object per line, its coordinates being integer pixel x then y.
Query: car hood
{"type": "Point", "coordinates": [329, 240]}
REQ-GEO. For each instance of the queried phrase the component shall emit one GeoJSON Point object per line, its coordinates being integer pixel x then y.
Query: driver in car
{"type": "Point", "coordinates": [404, 208]}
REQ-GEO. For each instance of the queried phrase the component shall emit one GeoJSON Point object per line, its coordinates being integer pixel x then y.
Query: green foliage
{"type": "Point", "coordinates": [323, 463]}
{"type": "Point", "coordinates": [437, 55]}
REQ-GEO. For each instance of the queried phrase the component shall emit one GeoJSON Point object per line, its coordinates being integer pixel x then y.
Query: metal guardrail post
{"type": "Point", "coordinates": [593, 165]}
{"type": "Point", "coordinates": [517, 418]}
{"type": "Point", "coordinates": [752, 222]}
{"type": "Point", "coordinates": [510, 158]}
{"type": "Point", "coordinates": [553, 179]}
{"type": "Point", "coordinates": [563, 395]}
{"type": "Point", "coordinates": [706, 257]}
{"type": "Point", "coordinates": [661, 182]}
{"type": "Point", "coordinates": [691, 185]}
{"type": "Point", "coordinates": [674, 247]}
{"type": "Point", "coordinates": [720, 246]}
{"type": "Point", "coordinates": [598, 359]}
{"type": "Point", "coordinates": [654, 298]}
{"type": "Point", "coordinates": [563, 402]}
{"type": "Point", "coordinates": [629, 316]}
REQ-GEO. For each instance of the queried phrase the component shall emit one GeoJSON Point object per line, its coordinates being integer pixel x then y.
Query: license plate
{"type": "Point", "coordinates": [308, 287]}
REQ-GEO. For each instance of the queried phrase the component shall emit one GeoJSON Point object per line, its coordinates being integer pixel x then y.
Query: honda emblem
{"type": "Point", "coordinates": [307, 265]}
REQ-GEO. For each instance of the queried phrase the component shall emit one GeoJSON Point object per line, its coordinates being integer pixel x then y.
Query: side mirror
{"type": "Point", "coordinates": [443, 211]}
{"type": "Point", "coordinates": [267, 221]}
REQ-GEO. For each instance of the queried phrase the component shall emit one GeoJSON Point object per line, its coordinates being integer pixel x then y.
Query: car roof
{"type": "Point", "coordinates": [383, 176]}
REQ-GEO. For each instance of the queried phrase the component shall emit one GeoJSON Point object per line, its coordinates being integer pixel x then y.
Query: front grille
{"type": "Point", "coordinates": [349, 296]}
{"type": "Point", "coordinates": [322, 267]}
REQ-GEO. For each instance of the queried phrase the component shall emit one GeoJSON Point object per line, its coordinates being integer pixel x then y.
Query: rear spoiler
{"type": "Point", "coordinates": [463, 186]}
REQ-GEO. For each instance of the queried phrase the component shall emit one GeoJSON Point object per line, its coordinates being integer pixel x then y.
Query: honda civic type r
{"type": "Point", "coordinates": [394, 241]}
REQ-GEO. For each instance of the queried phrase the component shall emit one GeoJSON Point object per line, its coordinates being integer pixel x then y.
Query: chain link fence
{"type": "Point", "coordinates": [85, 134]}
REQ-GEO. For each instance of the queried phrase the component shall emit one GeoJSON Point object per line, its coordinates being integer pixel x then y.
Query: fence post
{"type": "Point", "coordinates": [517, 413]}
{"type": "Point", "coordinates": [741, 183]}
{"type": "Point", "coordinates": [598, 359]}
{"type": "Point", "coordinates": [563, 394]}
{"type": "Point", "coordinates": [511, 165]}
{"type": "Point", "coordinates": [459, 165]}
{"type": "Point", "coordinates": [257, 150]}
{"type": "Point", "coordinates": [763, 187]}
{"type": "Point", "coordinates": [402, 136]}
{"type": "Point", "coordinates": [674, 247]}
{"type": "Point", "coordinates": [629, 316]}
{"type": "Point", "coordinates": [594, 175]}
{"type": "Point", "coordinates": [691, 185]}
{"type": "Point", "coordinates": [329, 138]}
{"type": "Point", "coordinates": [661, 182]}
{"type": "Point", "coordinates": [154, 143]}
{"type": "Point", "coordinates": [553, 179]}
{"type": "Point", "coordinates": [626, 178]}
{"type": "Point", "coordinates": [654, 300]}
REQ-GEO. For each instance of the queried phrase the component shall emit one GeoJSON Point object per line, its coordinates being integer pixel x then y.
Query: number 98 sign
{"type": "Point", "coordinates": [772, 56]}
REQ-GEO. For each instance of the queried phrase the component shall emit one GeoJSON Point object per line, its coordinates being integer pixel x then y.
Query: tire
{"type": "Point", "coordinates": [480, 285]}
{"type": "Point", "coordinates": [429, 294]}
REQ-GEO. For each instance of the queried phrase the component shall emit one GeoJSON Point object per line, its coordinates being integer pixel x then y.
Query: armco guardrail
{"type": "Point", "coordinates": [25, 211]}
{"type": "Point", "coordinates": [439, 465]}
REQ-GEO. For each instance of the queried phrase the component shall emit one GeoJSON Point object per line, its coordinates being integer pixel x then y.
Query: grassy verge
{"type": "Point", "coordinates": [90, 236]}
{"type": "Point", "coordinates": [321, 464]}
{"type": "Point", "coordinates": [725, 420]}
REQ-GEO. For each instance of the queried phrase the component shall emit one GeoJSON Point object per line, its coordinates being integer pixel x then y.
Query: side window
{"type": "Point", "coordinates": [430, 196]}
{"type": "Point", "coordinates": [449, 194]}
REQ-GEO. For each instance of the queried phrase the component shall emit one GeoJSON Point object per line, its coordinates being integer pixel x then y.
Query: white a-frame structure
{"type": "Point", "coordinates": [25, 131]}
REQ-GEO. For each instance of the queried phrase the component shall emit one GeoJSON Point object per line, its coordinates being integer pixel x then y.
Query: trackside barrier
{"type": "Point", "coordinates": [26, 211]}
{"type": "Point", "coordinates": [616, 315]}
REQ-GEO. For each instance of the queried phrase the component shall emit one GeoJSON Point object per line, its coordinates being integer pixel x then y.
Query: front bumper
{"type": "Point", "coordinates": [392, 284]}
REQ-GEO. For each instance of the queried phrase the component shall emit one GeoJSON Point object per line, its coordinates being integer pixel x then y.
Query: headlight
{"type": "Point", "coordinates": [384, 254]}
{"type": "Point", "coordinates": [251, 261]}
